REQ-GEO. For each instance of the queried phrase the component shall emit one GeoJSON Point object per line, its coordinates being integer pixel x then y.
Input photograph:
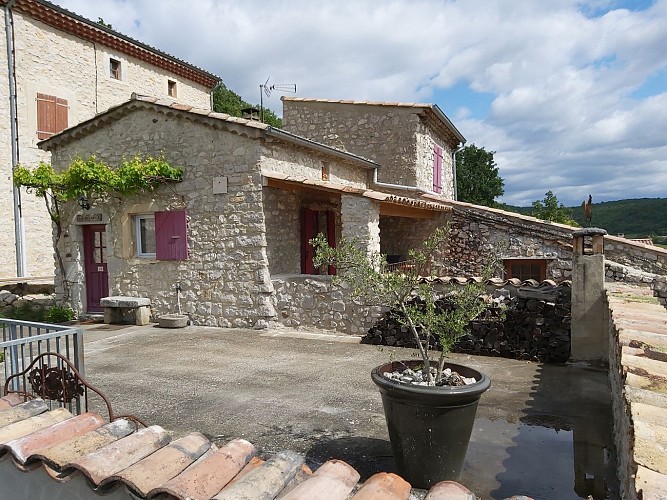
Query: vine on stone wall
{"type": "Point", "coordinates": [92, 178]}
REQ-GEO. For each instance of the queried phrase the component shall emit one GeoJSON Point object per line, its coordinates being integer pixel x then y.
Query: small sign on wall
{"type": "Point", "coordinates": [220, 185]}
{"type": "Point", "coordinates": [88, 218]}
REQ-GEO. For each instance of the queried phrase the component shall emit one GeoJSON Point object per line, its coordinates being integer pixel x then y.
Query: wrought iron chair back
{"type": "Point", "coordinates": [52, 377]}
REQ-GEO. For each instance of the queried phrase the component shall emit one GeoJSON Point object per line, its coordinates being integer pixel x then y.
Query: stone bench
{"type": "Point", "coordinates": [126, 310]}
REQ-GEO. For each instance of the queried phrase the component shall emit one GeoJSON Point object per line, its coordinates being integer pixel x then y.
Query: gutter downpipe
{"type": "Point", "coordinates": [456, 191]}
{"type": "Point", "coordinates": [397, 186]}
{"type": "Point", "coordinates": [19, 230]}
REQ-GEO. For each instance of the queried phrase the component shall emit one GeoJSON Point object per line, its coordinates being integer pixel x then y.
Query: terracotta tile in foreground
{"type": "Point", "coordinates": [59, 455]}
{"type": "Point", "coordinates": [334, 480]}
{"type": "Point", "coordinates": [206, 477]}
{"type": "Point", "coordinates": [164, 464]}
{"type": "Point", "coordinates": [31, 424]}
{"type": "Point", "coordinates": [266, 481]}
{"type": "Point", "coordinates": [11, 399]}
{"type": "Point", "coordinates": [115, 457]}
{"type": "Point", "coordinates": [450, 490]}
{"type": "Point", "coordinates": [23, 448]}
{"type": "Point", "coordinates": [22, 411]}
{"type": "Point", "coordinates": [384, 486]}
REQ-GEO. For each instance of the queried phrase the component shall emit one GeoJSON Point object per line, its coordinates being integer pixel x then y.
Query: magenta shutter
{"type": "Point", "coordinates": [171, 241]}
{"type": "Point", "coordinates": [437, 169]}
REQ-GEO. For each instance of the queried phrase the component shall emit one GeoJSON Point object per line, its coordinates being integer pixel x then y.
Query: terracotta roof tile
{"type": "Point", "coordinates": [165, 464]}
{"type": "Point", "coordinates": [265, 481]}
{"type": "Point", "coordinates": [18, 429]}
{"type": "Point", "coordinates": [22, 411]}
{"type": "Point", "coordinates": [11, 399]}
{"type": "Point", "coordinates": [209, 475]}
{"type": "Point", "coordinates": [384, 486]}
{"type": "Point", "coordinates": [334, 480]}
{"type": "Point", "coordinates": [113, 458]}
{"type": "Point", "coordinates": [61, 454]}
{"type": "Point", "coordinates": [23, 448]}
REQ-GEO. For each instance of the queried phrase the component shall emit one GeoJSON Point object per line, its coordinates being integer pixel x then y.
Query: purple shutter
{"type": "Point", "coordinates": [437, 169]}
{"type": "Point", "coordinates": [171, 241]}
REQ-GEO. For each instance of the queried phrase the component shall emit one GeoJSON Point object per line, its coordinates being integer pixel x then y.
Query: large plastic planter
{"type": "Point", "coordinates": [429, 427]}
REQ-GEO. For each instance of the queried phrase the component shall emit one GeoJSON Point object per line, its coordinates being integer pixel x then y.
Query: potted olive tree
{"type": "Point", "coordinates": [429, 403]}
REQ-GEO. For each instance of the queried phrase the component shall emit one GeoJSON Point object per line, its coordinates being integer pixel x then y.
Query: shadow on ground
{"type": "Point", "coordinates": [367, 455]}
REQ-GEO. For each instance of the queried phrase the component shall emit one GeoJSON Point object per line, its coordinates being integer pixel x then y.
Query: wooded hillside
{"type": "Point", "coordinates": [638, 218]}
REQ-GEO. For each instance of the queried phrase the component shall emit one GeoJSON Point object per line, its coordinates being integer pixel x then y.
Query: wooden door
{"type": "Point", "coordinates": [95, 266]}
{"type": "Point", "coordinates": [314, 222]}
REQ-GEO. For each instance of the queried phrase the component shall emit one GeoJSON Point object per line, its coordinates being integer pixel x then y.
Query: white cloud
{"type": "Point", "coordinates": [562, 72]}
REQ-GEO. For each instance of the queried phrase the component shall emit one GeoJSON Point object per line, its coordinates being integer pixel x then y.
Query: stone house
{"type": "Point", "coordinates": [58, 70]}
{"type": "Point", "coordinates": [235, 230]}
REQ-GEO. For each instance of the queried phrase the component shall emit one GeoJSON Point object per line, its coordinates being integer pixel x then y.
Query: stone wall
{"type": "Point", "coordinates": [399, 235]}
{"type": "Point", "coordinates": [56, 63]}
{"type": "Point", "coordinates": [475, 234]}
{"type": "Point", "coordinates": [313, 301]}
{"type": "Point", "coordinates": [360, 218]}
{"type": "Point", "coordinates": [650, 259]}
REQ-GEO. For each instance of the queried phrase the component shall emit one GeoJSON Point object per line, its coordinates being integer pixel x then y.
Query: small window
{"type": "Point", "coordinates": [51, 115]}
{"type": "Point", "coordinates": [162, 235]}
{"type": "Point", "coordinates": [114, 69]}
{"type": "Point", "coordinates": [171, 88]}
{"type": "Point", "coordinates": [325, 171]}
{"type": "Point", "coordinates": [145, 235]}
{"type": "Point", "coordinates": [526, 269]}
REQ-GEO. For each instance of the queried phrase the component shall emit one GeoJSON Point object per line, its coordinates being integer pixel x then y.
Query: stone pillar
{"type": "Point", "coordinates": [589, 312]}
{"type": "Point", "coordinates": [360, 218]}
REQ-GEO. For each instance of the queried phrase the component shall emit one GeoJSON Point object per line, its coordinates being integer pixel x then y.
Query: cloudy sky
{"type": "Point", "coordinates": [570, 94]}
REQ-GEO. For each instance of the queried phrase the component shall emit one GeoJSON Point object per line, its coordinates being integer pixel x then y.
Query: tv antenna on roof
{"type": "Point", "coordinates": [267, 89]}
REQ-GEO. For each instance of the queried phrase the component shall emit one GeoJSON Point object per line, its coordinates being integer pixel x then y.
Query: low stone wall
{"type": "Point", "coordinates": [615, 272]}
{"type": "Point", "coordinates": [650, 259]}
{"type": "Point", "coordinates": [21, 294]}
{"type": "Point", "coordinates": [312, 301]}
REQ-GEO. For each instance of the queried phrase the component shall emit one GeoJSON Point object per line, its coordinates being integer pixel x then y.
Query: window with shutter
{"type": "Point", "coordinates": [437, 169]}
{"type": "Point", "coordinates": [171, 242]}
{"type": "Point", "coordinates": [526, 269]}
{"type": "Point", "coordinates": [52, 115]}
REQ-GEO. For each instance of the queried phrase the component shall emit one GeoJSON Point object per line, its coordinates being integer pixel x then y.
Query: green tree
{"type": "Point", "coordinates": [550, 209]}
{"type": "Point", "coordinates": [368, 278]}
{"type": "Point", "coordinates": [477, 178]}
{"type": "Point", "coordinates": [228, 101]}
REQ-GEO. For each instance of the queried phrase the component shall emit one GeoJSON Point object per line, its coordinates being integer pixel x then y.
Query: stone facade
{"type": "Point", "coordinates": [398, 137]}
{"type": "Point", "coordinates": [237, 238]}
{"type": "Point", "coordinates": [53, 62]}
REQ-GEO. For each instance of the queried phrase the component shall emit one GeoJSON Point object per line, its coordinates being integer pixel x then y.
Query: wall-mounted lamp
{"type": "Point", "coordinates": [83, 202]}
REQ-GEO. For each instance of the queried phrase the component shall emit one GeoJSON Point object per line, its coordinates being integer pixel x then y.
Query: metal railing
{"type": "Point", "coordinates": [406, 265]}
{"type": "Point", "coordinates": [23, 341]}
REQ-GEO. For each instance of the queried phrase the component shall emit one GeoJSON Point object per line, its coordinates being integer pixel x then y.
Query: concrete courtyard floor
{"type": "Point", "coordinates": [541, 430]}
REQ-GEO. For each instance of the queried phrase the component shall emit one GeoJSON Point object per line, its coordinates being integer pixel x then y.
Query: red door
{"type": "Point", "coordinates": [95, 265]}
{"type": "Point", "coordinates": [311, 225]}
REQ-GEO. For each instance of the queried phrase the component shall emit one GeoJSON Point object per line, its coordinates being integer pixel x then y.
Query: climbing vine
{"type": "Point", "coordinates": [92, 178]}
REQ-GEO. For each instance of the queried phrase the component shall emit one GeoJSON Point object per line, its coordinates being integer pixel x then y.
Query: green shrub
{"type": "Point", "coordinates": [58, 314]}
{"type": "Point", "coordinates": [26, 312]}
